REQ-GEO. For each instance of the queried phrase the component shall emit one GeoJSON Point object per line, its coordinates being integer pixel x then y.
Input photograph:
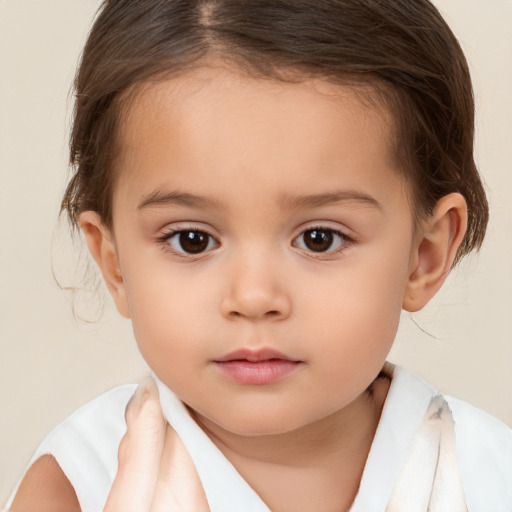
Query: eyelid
{"type": "Point", "coordinates": [169, 232]}
{"type": "Point", "coordinates": [347, 240]}
{"type": "Point", "coordinates": [187, 226]}
{"type": "Point", "coordinates": [327, 226]}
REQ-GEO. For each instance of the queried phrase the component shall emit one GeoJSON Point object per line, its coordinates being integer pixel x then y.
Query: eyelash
{"type": "Point", "coordinates": [164, 241]}
{"type": "Point", "coordinates": [344, 241]}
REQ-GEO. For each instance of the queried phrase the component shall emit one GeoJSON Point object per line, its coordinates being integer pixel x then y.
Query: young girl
{"type": "Point", "coordinates": [264, 187]}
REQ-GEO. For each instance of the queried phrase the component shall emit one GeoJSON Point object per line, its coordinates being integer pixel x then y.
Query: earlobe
{"type": "Point", "coordinates": [435, 250]}
{"type": "Point", "coordinates": [103, 250]}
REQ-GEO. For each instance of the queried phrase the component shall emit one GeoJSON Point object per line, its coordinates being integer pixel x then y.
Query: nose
{"type": "Point", "coordinates": [255, 291]}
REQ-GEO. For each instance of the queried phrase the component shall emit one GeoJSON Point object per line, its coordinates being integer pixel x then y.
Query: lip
{"type": "Point", "coordinates": [259, 367]}
{"type": "Point", "coordinates": [254, 355]}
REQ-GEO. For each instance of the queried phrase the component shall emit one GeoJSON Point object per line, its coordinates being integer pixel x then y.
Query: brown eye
{"type": "Point", "coordinates": [320, 240]}
{"type": "Point", "coordinates": [191, 241]}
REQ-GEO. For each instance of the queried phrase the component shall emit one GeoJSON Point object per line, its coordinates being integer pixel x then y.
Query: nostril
{"type": "Point", "coordinates": [255, 305]}
{"type": "Point", "coordinates": [269, 314]}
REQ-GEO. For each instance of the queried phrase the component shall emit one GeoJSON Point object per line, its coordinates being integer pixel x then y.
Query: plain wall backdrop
{"type": "Point", "coordinates": [50, 364]}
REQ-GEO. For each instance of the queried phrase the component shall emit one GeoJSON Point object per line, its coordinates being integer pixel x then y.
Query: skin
{"type": "Point", "coordinates": [251, 148]}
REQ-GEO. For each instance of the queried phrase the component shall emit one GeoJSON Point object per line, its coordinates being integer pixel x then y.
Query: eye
{"type": "Point", "coordinates": [320, 240]}
{"type": "Point", "coordinates": [190, 241]}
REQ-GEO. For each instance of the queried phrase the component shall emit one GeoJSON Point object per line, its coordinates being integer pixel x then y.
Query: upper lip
{"type": "Point", "coordinates": [254, 355]}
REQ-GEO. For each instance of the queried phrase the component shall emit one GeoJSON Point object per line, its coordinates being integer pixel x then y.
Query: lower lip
{"type": "Point", "coordinates": [259, 372]}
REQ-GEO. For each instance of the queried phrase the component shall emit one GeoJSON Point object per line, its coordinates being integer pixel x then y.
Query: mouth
{"type": "Point", "coordinates": [257, 367]}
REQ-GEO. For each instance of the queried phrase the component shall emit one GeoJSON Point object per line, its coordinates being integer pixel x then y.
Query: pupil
{"type": "Point", "coordinates": [317, 240]}
{"type": "Point", "coordinates": [193, 241]}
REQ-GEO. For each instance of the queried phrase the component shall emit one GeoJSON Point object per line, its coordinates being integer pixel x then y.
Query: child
{"type": "Point", "coordinates": [264, 186]}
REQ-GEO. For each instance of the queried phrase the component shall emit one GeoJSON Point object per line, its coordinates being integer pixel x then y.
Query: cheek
{"type": "Point", "coordinates": [371, 285]}
{"type": "Point", "coordinates": [360, 305]}
{"type": "Point", "coordinates": [351, 337]}
{"type": "Point", "coordinates": [167, 313]}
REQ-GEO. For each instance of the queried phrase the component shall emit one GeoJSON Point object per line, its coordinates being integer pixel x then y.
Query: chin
{"type": "Point", "coordinates": [261, 423]}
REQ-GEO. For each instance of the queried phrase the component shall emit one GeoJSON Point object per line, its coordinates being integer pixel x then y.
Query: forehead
{"type": "Point", "coordinates": [236, 127]}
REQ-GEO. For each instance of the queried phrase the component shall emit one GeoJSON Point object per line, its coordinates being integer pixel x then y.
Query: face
{"type": "Point", "coordinates": [264, 238]}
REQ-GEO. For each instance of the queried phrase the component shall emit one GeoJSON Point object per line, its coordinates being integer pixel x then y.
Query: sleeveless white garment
{"type": "Point", "coordinates": [430, 453]}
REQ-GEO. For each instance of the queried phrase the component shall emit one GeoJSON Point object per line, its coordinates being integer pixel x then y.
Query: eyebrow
{"type": "Point", "coordinates": [317, 200]}
{"type": "Point", "coordinates": [163, 198]}
{"type": "Point", "coordinates": [286, 201]}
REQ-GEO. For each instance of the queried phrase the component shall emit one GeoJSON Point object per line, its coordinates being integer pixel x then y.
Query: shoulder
{"type": "Point", "coordinates": [83, 449]}
{"type": "Point", "coordinates": [484, 451]}
{"type": "Point", "coordinates": [483, 443]}
{"type": "Point", "coordinates": [45, 488]}
{"type": "Point", "coordinates": [110, 404]}
{"type": "Point", "coordinates": [480, 436]}
{"type": "Point", "coordinates": [482, 429]}
{"type": "Point", "coordinates": [91, 434]}
{"type": "Point", "coordinates": [477, 431]}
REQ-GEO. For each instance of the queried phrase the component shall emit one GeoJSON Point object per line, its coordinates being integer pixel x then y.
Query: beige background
{"type": "Point", "coordinates": [50, 363]}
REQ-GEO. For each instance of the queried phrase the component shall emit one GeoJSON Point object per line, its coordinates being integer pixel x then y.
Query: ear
{"type": "Point", "coordinates": [435, 250]}
{"type": "Point", "coordinates": [103, 250]}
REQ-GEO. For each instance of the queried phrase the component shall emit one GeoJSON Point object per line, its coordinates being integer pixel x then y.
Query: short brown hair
{"type": "Point", "coordinates": [403, 48]}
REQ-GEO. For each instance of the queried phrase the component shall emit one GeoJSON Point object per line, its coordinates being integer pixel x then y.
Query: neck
{"type": "Point", "coordinates": [316, 467]}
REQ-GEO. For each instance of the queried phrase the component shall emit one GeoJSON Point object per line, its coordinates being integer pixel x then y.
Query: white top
{"type": "Point", "coordinates": [430, 452]}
